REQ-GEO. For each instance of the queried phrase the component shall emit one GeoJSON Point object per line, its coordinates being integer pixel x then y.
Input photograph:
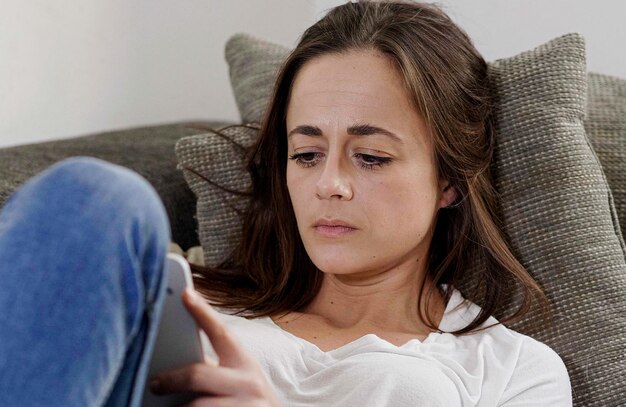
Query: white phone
{"type": "Point", "coordinates": [179, 341]}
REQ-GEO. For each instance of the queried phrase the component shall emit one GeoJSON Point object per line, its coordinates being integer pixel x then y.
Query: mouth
{"type": "Point", "coordinates": [333, 227]}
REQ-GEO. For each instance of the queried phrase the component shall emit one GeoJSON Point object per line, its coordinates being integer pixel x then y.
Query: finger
{"type": "Point", "coordinates": [197, 378]}
{"type": "Point", "coordinates": [213, 402]}
{"type": "Point", "coordinates": [219, 402]}
{"type": "Point", "coordinates": [228, 350]}
{"type": "Point", "coordinates": [210, 361]}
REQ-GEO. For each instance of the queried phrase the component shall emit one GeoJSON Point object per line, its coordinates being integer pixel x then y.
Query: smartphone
{"type": "Point", "coordinates": [179, 341]}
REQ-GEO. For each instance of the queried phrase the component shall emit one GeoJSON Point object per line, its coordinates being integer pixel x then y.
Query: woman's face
{"type": "Point", "coordinates": [361, 173]}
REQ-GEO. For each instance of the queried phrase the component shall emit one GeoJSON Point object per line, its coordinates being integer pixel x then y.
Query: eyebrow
{"type": "Point", "coordinates": [356, 130]}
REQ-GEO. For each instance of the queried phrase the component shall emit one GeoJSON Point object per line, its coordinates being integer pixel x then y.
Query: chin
{"type": "Point", "coordinates": [341, 257]}
{"type": "Point", "coordinates": [337, 264]}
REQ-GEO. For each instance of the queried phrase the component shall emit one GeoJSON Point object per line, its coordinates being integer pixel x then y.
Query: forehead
{"type": "Point", "coordinates": [354, 74]}
{"type": "Point", "coordinates": [357, 86]}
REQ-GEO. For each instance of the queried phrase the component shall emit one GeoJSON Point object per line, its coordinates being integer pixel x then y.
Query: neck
{"type": "Point", "coordinates": [385, 301]}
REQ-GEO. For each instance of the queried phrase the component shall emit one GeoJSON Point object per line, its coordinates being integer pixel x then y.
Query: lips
{"type": "Point", "coordinates": [333, 227]}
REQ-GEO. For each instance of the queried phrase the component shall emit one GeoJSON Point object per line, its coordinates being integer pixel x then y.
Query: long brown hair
{"type": "Point", "coordinates": [269, 271]}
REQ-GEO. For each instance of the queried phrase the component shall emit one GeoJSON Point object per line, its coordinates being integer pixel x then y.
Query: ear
{"type": "Point", "coordinates": [447, 194]}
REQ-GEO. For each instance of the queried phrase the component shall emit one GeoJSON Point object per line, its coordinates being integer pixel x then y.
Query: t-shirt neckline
{"type": "Point", "coordinates": [455, 299]}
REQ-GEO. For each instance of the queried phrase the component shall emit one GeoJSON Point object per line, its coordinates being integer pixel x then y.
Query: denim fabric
{"type": "Point", "coordinates": [82, 252]}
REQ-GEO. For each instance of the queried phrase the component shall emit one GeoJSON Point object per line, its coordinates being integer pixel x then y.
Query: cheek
{"type": "Point", "coordinates": [291, 185]}
{"type": "Point", "coordinates": [403, 204]}
{"type": "Point", "coordinates": [297, 188]}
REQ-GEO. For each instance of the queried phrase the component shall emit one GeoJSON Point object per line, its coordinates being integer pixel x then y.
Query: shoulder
{"type": "Point", "coordinates": [539, 378]}
{"type": "Point", "coordinates": [519, 370]}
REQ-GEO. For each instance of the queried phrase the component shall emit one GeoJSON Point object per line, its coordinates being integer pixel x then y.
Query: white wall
{"type": "Point", "coordinates": [502, 28]}
{"type": "Point", "coordinates": [72, 67]}
{"type": "Point", "coordinates": [505, 28]}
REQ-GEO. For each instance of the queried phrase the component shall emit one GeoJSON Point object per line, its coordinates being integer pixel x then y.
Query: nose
{"type": "Point", "coordinates": [334, 181]}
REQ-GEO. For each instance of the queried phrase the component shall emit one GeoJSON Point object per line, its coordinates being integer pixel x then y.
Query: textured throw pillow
{"type": "Point", "coordinates": [558, 214]}
{"type": "Point", "coordinates": [606, 128]}
{"type": "Point", "coordinates": [556, 203]}
{"type": "Point", "coordinates": [253, 65]}
{"type": "Point", "coordinates": [213, 165]}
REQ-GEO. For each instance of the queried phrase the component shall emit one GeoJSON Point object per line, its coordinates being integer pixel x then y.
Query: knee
{"type": "Point", "coordinates": [112, 190]}
{"type": "Point", "coordinates": [88, 174]}
{"type": "Point", "coordinates": [95, 190]}
{"type": "Point", "coordinates": [93, 223]}
{"type": "Point", "coordinates": [91, 215]}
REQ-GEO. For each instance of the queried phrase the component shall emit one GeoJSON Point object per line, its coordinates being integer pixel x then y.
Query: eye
{"type": "Point", "coordinates": [370, 162]}
{"type": "Point", "coordinates": [305, 160]}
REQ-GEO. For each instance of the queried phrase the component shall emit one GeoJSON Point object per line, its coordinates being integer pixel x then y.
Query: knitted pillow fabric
{"type": "Point", "coordinates": [213, 165]}
{"type": "Point", "coordinates": [253, 65]}
{"type": "Point", "coordinates": [558, 214]}
{"type": "Point", "coordinates": [556, 204]}
{"type": "Point", "coordinates": [606, 128]}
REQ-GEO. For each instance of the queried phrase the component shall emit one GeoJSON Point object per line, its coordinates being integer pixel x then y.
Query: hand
{"type": "Point", "coordinates": [238, 379]}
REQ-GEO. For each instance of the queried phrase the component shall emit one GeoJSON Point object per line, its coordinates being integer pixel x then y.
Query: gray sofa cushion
{"type": "Point", "coordinates": [557, 206]}
{"type": "Point", "coordinates": [252, 71]}
{"type": "Point", "coordinates": [605, 125]}
{"type": "Point", "coordinates": [253, 65]}
{"type": "Point", "coordinates": [147, 150]}
{"type": "Point", "coordinates": [558, 214]}
{"type": "Point", "coordinates": [214, 167]}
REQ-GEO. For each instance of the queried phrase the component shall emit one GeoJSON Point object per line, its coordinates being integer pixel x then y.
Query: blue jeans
{"type": "Point", "coordinates": [82, 252]}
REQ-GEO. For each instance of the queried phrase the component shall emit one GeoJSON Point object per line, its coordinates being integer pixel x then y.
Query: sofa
{"type": "Point", "coordinates": [590, 324]}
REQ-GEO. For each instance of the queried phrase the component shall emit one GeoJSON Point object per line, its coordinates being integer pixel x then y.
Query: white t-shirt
{"type": "Point", "coordinates": [494, 367]}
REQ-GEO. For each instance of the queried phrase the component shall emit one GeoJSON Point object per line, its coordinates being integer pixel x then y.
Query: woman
{"type": "Point", "coordinates": [371, 198]}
